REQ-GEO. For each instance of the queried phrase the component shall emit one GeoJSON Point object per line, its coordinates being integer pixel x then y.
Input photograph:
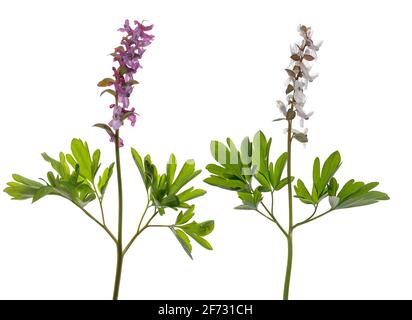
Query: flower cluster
{"type": "Point", "coordinates": [299, 74]}
{"type": "Point", "coordinates": [127, 55]}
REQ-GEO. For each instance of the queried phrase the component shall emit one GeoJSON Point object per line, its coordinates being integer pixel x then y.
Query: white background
{"type": "Point", "coordinates": [214, 70]}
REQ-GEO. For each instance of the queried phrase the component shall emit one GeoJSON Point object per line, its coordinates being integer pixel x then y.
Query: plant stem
{"type": "Point", "coordinates": [312, 218]}
{"type": "Point", "coordinates": [98, 222]}
{"type": "Point", "coordinates": [288, 268]}
{"type": "Point", "coordinates": [139, 231]}
{"type": "Point", "coordinates": [119, 245]}
{"type": "Point", "coordinates": [290, 231]}
{"type": "Point", "coordinates": [100, 203]}
{"type": "Point", "coordinates": [307, 219]}
{"type": "Point", "coordinates": [273, 219]}
{"type": "Point", "coordinates": [262, 214]}
{"type": "Point", "coordinates": [143, 215]}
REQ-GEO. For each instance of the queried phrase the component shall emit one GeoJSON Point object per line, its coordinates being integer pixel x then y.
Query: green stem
{"type": "Point", "coordinates": [98, 222]}
{"type": "Point", "coordinates": [100, 203]}
{"type": "Point", "coordinates": [288, 269]}
{"type": "Point", "coordinates": [119, 245]}
{"type": "Point", "coordinates": [138, 232]}
{"type": "Point", "coordinates": [307, 219]}
{"type": "Point", "coordinates": [312, 218]}
{"type": "Point", "coordinates": [290, 231]}
{"type": "Point", "coordinates": [143, 215]}
{"type": "Point", "coordinates": [262, 214]}
{"type": "Point", "coordinates": [273, 219]}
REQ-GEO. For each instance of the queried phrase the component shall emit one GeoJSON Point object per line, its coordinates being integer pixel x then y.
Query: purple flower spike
{"type": "Point", "coordinates": [127, 55]}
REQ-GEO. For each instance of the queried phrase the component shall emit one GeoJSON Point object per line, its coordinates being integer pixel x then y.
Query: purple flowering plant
{"type": "Point", "coordinates": [76, 178]}
{"type": "Point", "coordinates": [250, 173]}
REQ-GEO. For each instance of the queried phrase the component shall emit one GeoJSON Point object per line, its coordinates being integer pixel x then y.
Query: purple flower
{"type": "Point", "coordinates": [112, 137]}
{"type": "Point", "coordinates": [127, 55]}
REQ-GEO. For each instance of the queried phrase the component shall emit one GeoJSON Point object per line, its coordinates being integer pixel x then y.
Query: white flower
{"type": "Point", "coordinates": [305, 71]}
{"type": "Point", "coordinates": [311, 52]}
{"type": "Point", "coordinates": [294, 49]}
{"type": "Point", "coordinates": [281, 106]}
{"type": "Point", "coordinates": [302, 114]}
{"type": "Point", "coordinates": [300, 84]}
{"type": "Point", "coordinates": [316, 46]}
{"type": "Point", "coordinates": [302, 30]}
{"type": "Point", "coordinates": [299, 96]}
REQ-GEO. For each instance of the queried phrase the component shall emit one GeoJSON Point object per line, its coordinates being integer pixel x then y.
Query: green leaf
{"type": "Point", "coordinates": [203, 242]}
{"type": "Point", "coordinates": [363, 200]}
{"type": "Point", "coordinates": [41, 192]}
{"type": "Point", "coordinates": [186, 174]}
{"type": "Point", "coordinates": [170, 201]}
{"type": "Point", "coordinates": [350, 188]}
{"type": "Point", "coordinates": [111, 91]}
{"type": "Point", "coordinates": [245, 207]}
{"type": "Point", "coordinates": [264, 183]}
{"type": "Point", "coordinates": [301, 137]}
{"type": "Point", "coordinates": [104, 179]}
{"type": "Point", "coordinates": [21, 192]}
{"type": "Point", "coordinates": [162, 185]}
{"type": "Point", "coordinates": [308, 57]}
{"type": "Point", "coordinates": [247, 198]}
{"type": "Point", "coordinates": [51, 178]}
{"type": "Point", "coordinates": [333, 187]}
{"type": "Point", "coordinates": [220, 153]}
{"type": "Point", "coordinates": [316, 173]}
{"type": "Point", "coordinates": [105, 127]}
{"type": "Point", "coordinates": [329, 168]}
{"type": "Point", "coordinates": [289, 89]}
{"type": "Point", "coordinates": [182, 218]}
{"type": "Point", "coordinates": [228, 172]}
{"type": "Point", "coordinates": [257, 197]}
{"type": "Point", "coordinates": [217, 170]}
{"type": "Point", "coordinates": [246, 150]}
{"type": "Point", "coordinates": [333, 201]}
{"type": "Point", "coordinates": [190, 194]}
{"type": "Point", "coordinates": [139, 163]}
{"type": "Point", "coordinates": [26, 181]}
{"type": "Point", "coordinates": [302, 192]}
{"type": "Point", "coordinates": [290, 73]}
{"type": "Point", "coordinates": [106, 82]}
{"type": "Point", "coordinates": [95, 163]}
{"type": "Point", "coordinates": [60, 169]}
{"type": "Point", "coordinates": [234, 153]}
{"type": "Point", "coordinates": [315, 195]}
{"type": "Point", "coordinates": [355, 194]}
{"type": "Point", "coordinates": [283, 183]}
{"type": "Point", "coordinates": [234, 185]}
{"type": "Point", "coordinates": [22, 188]}
{"type": "Point", "coordinates": [198, 230]}
{"type": "Point", "coordinates": [171, 169]}
{"type": "Point", "coordinates": [278, 169]}
{"type": "Point", "coordinates": [132, 82]}
{"type": "Point", "coordinates": [150, 171]}
{"type": "Point", "coordinates": [81, 153]}
{"type": "Point", "coordinates": [201, 229]}
{"type": "Point", "coordinates": [75, 175]}
{"type": "Point", "coordinates": [184, 241]}
{"type": "Point", "coordinates": [260, 154]}
{"type": "Point", "coordinates": [122, 69]}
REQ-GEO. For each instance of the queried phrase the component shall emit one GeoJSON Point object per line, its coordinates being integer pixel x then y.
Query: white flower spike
{"type": "Point", "coordinates": [299, 76]}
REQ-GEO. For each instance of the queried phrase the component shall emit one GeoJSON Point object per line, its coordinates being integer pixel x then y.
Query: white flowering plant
{"type": "Point", "coordinates": [250, 173]}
